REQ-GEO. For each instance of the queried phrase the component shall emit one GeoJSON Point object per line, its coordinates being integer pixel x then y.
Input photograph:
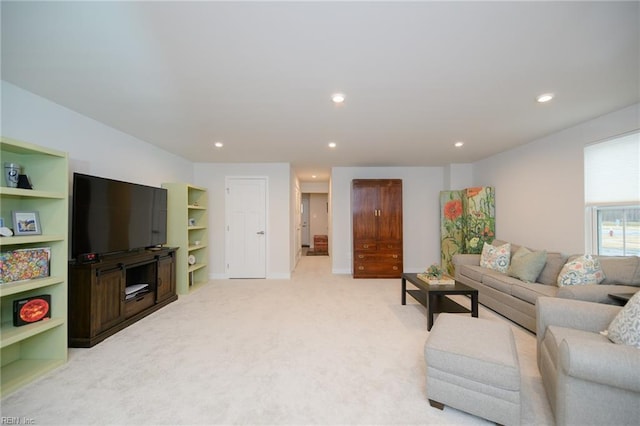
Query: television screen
{"type": "Point", "coordinates": [113, 216]}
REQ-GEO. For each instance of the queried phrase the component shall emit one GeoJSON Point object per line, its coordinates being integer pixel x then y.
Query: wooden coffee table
{"type": "Point", "coordinates": [434, 297]}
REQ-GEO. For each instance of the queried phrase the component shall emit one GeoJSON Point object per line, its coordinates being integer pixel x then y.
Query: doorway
{"type": "Point", "coordinates": [315, 214]}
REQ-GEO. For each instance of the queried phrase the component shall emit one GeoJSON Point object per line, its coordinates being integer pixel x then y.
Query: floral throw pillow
{"type": "Point", "coordinates": [625, 327]}
{"type": "Point", "coordinates": [496, 257]}
{"type": "Point", "coordinates": [581, 271]}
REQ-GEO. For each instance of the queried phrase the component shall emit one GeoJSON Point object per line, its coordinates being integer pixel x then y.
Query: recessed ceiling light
{"type": "Point", "coordinates": [545, 97]}
{"type": "Point", "coordinates": [337, 98]}
{"type": "Point", "coordinates": [218, 144]}
{"type": "Point", "coordinates": [314, 176]}
{"type": "Point", "coordinates": [458, 144]}
{"type": "Point", "coordinates": [332, 145]}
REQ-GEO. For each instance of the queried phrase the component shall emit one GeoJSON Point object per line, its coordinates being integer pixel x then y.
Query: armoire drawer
{"type": "Point", "coordinates": [363, 256]}
{"type": "Point", "coordinates": [377, 270]}
{"type": "Point", "coordinates": [389, 245]}
{"type": "Point", "coordinates": [368, 245]}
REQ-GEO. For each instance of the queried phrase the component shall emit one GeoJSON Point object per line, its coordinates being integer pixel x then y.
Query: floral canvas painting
{"type": "Point", "coordinates": [467, 220]}
{"type": "Point", "coordinates": [451, 228]}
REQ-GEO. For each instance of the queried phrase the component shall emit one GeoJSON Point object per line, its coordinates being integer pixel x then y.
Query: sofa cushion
{"type": "Point", "coordinates": [526, 264]}
{"type": "Point", "coordinates": [499, 281]}
{"type": "Point", "coordinates": [474, 272]}
{"type": "Point", "coordinates": [620, 269]}
{"type": "Point", "coordinates": [529, 292]}
{"type": "Point", "coordinates": [496, 257]}
{"type": "Point", "coordinates": [582, 270]}
{"type": "Point", "coordinates": [625, 327]}
{"type": "Point", "coordinates": [551, 270]}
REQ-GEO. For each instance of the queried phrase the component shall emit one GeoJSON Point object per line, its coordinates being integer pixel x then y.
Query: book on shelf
{"type": "Point", "coordinates": [444, 280]}
{"type": "Point", "coordinates": [24, 264]}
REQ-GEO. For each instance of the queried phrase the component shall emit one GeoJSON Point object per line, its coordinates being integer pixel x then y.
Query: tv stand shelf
{"type": "Point", "coordinates": [98, 307]}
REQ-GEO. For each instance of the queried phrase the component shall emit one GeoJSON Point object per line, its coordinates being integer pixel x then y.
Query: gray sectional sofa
{"type": "Point", "coordinates": [516, 299]}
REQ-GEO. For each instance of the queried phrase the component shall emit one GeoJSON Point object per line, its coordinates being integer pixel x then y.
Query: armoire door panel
{"type": "Point", "coordinates": [390, 208]}
{"type": "Point", "coordinates": [364, 202]}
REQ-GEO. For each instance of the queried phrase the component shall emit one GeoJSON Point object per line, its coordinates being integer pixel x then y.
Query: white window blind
{"type": "Point", "coordinates": [612, 171]}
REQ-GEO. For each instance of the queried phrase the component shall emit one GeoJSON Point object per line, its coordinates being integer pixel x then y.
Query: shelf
{"type": "Point", "coordinates": [30, 239]}
{"type": "Point", "coordinates": [198, 284]}
{"type": "Point", "coordinates": [15, 287]}
{"type": "Point", "coordinates": [30, 193]}
{"type": "Point", "coordinates": [29, 351]}
{"type": "Point", "coordinates": [188, 203]}
{"type": "Point", "coordinates": [20, 147]}
{"type": "Point", "coordinates": [195, 267]}
{"type": "Point", "coordinates": [23, 371]}
{"type": "Point", "coordinates": [11, 334]}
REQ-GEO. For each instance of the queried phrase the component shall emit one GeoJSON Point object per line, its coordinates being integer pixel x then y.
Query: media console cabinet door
{"type": "Point", "coordinates": [108, 307]}
{"type": "Point", "coordinates": [166, 278]}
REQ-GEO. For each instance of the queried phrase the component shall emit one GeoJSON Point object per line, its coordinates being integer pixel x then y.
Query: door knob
{"type": "Point", "coordinates": [260, 232]}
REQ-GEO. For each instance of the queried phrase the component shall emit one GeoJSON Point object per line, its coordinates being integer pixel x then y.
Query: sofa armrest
{"type": "Point", "coordinates": [466, 259]}
{"type": "Point", "coordinates": [578, 314]}
{"type": "Point", "coordinates": [601, 362]}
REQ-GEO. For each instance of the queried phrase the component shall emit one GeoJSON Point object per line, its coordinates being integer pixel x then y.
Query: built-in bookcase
{"type": "Point", "coordinates": [187, 228]}
{"type": "Point", "coordinates": [30, 351]}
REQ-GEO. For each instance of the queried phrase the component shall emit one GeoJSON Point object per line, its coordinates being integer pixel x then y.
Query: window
{"type": "Point", "coordinates": [612, 196]}
{"type": "Point", "coordinates": [618, 231]}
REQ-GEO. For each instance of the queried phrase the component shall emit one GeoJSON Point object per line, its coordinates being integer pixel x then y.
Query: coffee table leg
{"type": "Point", "coordinates": [404, 291]}
{"type": "Point", "coordinates": [431, 303]}
{"type": "Point", "coordinates": [474, 305]}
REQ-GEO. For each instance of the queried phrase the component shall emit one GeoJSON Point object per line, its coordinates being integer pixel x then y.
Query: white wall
{"type": "Point", "coordinates": [314, 187]}
{"type": "Point", "coordinates": [540, 185]}
{"type": "Point", "coordinates": [279, 226]}
{"type": "Point", "coordinates": [458, 176]}
{"type": "Point", "coordinates": [94, 148]}
{"type": "Point", "coordinates": [421, 214]}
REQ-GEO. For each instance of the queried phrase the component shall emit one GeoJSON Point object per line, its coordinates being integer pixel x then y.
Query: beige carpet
{"type": "Point", "coordinates": [316, 349]}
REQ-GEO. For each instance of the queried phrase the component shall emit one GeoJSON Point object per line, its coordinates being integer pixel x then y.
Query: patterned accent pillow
{"type": "Point", "coordinates": [581, 271]}
{"type": "Point", "coordinates": [625, 327]}
{"type": "Point", "coordinates": [496, 257]}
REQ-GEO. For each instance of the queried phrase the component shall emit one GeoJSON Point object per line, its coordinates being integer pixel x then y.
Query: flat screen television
{"type": "Point", "coordinates": [110, 216]}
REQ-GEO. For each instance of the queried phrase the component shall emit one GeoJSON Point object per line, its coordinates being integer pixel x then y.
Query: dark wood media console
{"type": "Point", "coordinates": [98, 302]}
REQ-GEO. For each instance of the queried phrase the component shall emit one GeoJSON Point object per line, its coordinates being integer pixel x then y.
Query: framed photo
{"type": "Point", "coordinates": [26, 223]}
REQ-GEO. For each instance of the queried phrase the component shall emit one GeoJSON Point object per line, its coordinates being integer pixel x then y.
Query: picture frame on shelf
{"type": "Point", "coordinates": [26, 223]}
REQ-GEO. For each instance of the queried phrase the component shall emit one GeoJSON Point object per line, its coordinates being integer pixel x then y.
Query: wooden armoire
{"type": "Point", "coordinates": [377, 228]}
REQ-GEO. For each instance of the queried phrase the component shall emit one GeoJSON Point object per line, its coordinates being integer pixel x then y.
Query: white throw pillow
{"type": "Point", "coordinates": [625, 327]}
{"type": "Point", "coordinates": [581, 271]}
{"type": "Point", "coordinates": [496, 257]}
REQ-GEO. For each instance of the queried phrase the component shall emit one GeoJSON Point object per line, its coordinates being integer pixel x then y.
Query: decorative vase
{"type": "Point", "coordinates": [11, 173]}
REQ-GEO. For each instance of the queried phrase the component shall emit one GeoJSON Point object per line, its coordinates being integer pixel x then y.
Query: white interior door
{"type": "Point", "coordinates": [246, 230]}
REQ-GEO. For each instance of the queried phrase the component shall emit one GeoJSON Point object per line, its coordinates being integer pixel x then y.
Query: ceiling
{"type": "Point", "coordinates": [258, 76]}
